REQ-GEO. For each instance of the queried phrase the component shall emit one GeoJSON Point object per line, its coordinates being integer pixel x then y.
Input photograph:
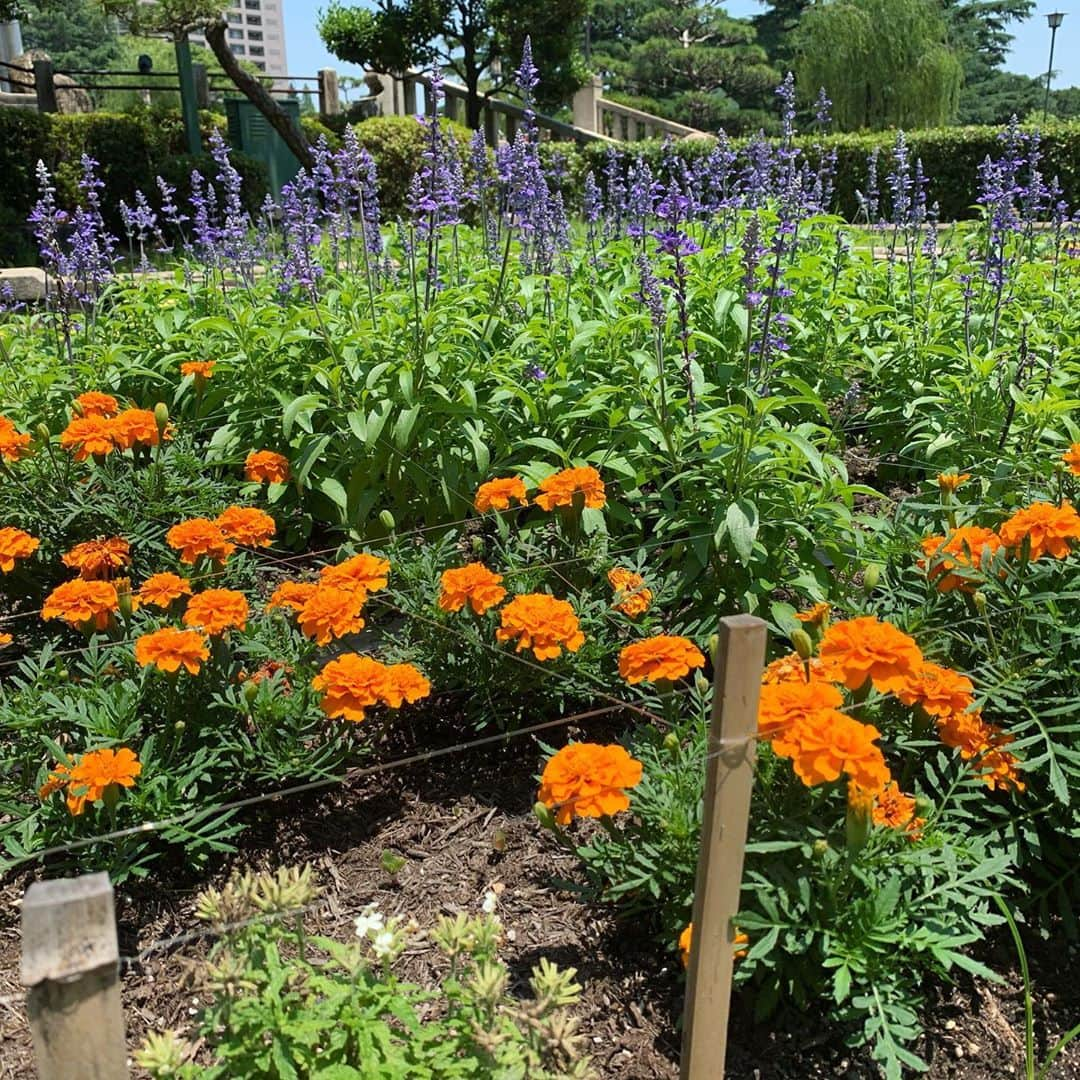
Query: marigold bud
{"type": "Point", "coordinates": [179, 726]}
{"type": "Point", "coordinates": [820, 848]}
{"type": "Point", "coordinates": [544, 816]}
{"type": "Point", "coordinates": [251, 691]}
{"type": "Point", "coordinates": [161, 417]}
{"type": "Point", "coordinates": [387, 519]}
{"type": "Point", "coordinates": [924, 807]}
{"type": "Point", "coordinates": [979, 600]}
{"type": "Point", "coordinates": [478, 545]}
{"type": "Point", "coordinates": [43, 433]}
{"type": "Point", "coordinates": [671, 743]}
{"type": "Point", "coordinates": [701, 683]}
{"type": "Point", "coordinates": [871, 577]}
{"type": "Point", "coordinates": [714, 646]}
{"type": "Point", "coordinates": [800, 641]}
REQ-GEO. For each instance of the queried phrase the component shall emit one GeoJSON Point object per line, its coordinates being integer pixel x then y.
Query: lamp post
{"type": "Point", "coordinates": [1055, 19]}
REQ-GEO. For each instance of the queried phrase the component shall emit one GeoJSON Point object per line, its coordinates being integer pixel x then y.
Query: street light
{"type": "Point", "coordinates": [1054, 19]}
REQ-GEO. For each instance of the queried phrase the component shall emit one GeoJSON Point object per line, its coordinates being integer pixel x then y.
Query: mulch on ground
{"type": "Point", "coordinates": [463, 824]}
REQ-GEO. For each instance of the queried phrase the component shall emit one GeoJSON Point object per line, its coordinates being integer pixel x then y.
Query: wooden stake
{"type": "Point", "coordinates": [729, 779]}
{"type": "Point", "coordinates": [70, 966]}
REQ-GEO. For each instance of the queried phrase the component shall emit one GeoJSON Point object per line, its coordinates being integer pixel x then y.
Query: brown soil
{"type": "Point", "coordinates": [465, 826]}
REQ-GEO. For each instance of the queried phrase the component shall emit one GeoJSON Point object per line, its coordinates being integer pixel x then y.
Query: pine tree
{"type": "Point", "coordinates": [75, 33]}
{"type": "Point", "coordinates": [684, 59]}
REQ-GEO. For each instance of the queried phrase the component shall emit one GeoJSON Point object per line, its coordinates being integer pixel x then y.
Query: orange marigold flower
{"type": "Point", "coordinates": [266, 467]}
{"type": "Point", "coordinates": [998, 768]}
{"type": "Point", "coordinates": [895, 810]}
{"type": "Point", "coordinates": [135, 427]}
{"type": "Point", "coordinates": [818, 615]}
{"type": "Point", "coordinates": [93, 776]}
{"type": "Point", "coordinates": [782, 705]}
{"type": "Point", "coordinates": [89, 436]}
{"type": "Point", "coordinates": [330, 612]}
{"type": "Point", "coordinates": [99, 558]}
{"type": "Point", "coordinates": [588, 780]}
{"type": "Point", "coordinates": [560, 488]}
{"type": "Point", "coordinates": [15, 544]}
{"type": "Point", "coordinates": [1049, 529]}
{"type": "Point", "coordinates": [541, 623]}
{"type": "Point", "coordinates": [13, 443]}
{"type": "Point", "coordinates": [161, 590]}
{"type": "Point", "coordinates": [659, 657]}
{"type": "Point", "coordinates": [828, 743]}
{"type": "Point", "coordinates": [940, 691]}
{"type": "Point", "coordinates": [291, 594]}
{"type": "Point", "coordinates": [368, 573]}
{"type": "Point", "coordinates": [1071, 458]}
{"type": "Point", "coordinates": [199, 538]}
{"type": "Point", "coordinates": [201, 369]}
{"type": "Point", "coordinates": [349, 685]}
{"type": "Point", "coordinates": [498, 494]}
{"type": "Point", "coordinates": [950, 481]}
{"type": "Point", "coordinates": [216, 610]}
{"type": "Point", "coordinates": [169, 649]}
{"type": "Point", "coordinates": [5, 639]}
{"type": "Point", "coordinates": [966, 547]}
{"type": "Point", "coordinates": [403, 683]}
{"type": "Point", "coordinates": [686, 939]}
{"type": "Point", "coordinates": [981, 743]}
{"type": "Point", "coordinates": [474, 585]}
{"type": "Point", "coordinates": [864, 648]}
{"type": "Point", "coordinates": [792, 668]}
{"type": "Point", "coordinates": [81, 603]}
{"type": "Point", "coordinates": [266, 671]}
{"type": "Point", "coordinates": [247, 525]}
{"type": "Point", "coordinates": [95, 403]}
{"type": "Point", "coordinates": [631, 596]}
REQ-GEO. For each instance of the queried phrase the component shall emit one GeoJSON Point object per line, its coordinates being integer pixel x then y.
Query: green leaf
{"type": "Point", "coordinates": [742, 526]}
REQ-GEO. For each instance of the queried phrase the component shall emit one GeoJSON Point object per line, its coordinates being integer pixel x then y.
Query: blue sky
{"type": "Point", "coordinates": [1029, 55]}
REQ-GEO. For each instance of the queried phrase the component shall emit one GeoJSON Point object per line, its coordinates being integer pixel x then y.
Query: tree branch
{"type": "Point", "coordinates": [257, 94]}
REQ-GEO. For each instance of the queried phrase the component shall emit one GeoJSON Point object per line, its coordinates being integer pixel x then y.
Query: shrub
{"type": "Point", "coordinates": [334, 1008]}
{"type": "Point", "coordinates": [396, 143]}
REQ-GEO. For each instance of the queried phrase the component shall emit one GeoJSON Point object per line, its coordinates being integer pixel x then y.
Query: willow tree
{"type": "Point", "coordinates": [884, 63]}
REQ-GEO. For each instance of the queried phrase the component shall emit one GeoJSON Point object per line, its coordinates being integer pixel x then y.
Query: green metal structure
{"type": "Point", "coordinates": [250, 133]}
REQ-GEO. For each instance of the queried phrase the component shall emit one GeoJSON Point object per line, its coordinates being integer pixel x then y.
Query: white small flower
{"type": "Point", "coordinates": [368, 921]}
{"type": "Point", "coordinates": [491, 902]}
{"type": "Point", "coordinates": [383, 943]}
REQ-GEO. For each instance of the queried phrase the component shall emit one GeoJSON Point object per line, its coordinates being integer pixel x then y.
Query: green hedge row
{"type": "Point", "coordinates": [950, 158]}
{"type": "Point", "coordinates": [132, 149]}
{"type": "Point", "coordinates": [135, 147]}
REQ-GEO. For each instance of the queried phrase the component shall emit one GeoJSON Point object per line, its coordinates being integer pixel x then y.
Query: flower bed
{"type": "Point", "coordinates": [338, 480]}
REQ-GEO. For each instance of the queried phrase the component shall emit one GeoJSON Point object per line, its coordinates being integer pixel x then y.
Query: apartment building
{"type": "Point", "coordinates": [257, 33]}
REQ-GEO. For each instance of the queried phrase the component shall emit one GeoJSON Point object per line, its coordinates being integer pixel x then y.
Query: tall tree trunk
{"type": "Point", "coordinates": [473, 102]}
{"type": "Point", "coordinates": [256, 93]}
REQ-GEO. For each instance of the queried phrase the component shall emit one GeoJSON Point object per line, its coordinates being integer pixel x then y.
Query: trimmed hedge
{"type": "Point", "coordinates": [397, 143]}
{"type": "Point", "coordinates": [131, 148]}
{"type": "Point", "coordinates": [950, 157]}
{"type": "Point", "coordinates": [135, 147]}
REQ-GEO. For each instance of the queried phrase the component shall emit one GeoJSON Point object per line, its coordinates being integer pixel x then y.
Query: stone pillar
{"type": "Point", "coordinates": [587, 104]}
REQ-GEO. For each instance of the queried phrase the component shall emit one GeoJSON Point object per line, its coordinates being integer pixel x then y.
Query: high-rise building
{"type": "Point", "coordinates": [257, 33]}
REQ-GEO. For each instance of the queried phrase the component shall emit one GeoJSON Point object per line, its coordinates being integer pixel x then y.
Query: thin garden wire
{"type": "Point", "coordinates": [308, 786]}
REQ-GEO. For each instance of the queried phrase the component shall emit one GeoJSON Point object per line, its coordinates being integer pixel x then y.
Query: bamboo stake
{"type": "Point", "coordinates": [729, 779]}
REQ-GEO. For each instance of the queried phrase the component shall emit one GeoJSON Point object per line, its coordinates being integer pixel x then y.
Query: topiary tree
{"type": "Point", "coordinates": [470, 38]}
{"type": "Point", "coordinates": [884, 63]}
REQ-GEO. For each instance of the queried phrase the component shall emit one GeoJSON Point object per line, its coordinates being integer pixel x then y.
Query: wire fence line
{"type": "Point", "coordinates": [355, 773]}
